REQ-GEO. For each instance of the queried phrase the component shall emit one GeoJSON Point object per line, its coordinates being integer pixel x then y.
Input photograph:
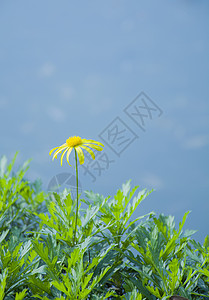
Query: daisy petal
{"type": "Point", "coordinates": [53, 150]}
{"type": "Point", "coordinates": [80, 154]}
{"type": "Point", "coordinates": [57, 148]}
{"type": "Point", "coordinates": [63, 155]}
{"type": "Point", "coordinates": [68, 154]}
{"type": "Point", "coordinates": [58, 151]}
{"type": "Point", "coordinates": [89, 151]}
{"type": "Point", "coordinates": [91, 141]}
{"type": "Point", "coordinates": [98, 148]}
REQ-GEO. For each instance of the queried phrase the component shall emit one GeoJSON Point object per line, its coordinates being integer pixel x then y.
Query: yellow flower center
{"type": "Point", "coordinates": [73, 141]}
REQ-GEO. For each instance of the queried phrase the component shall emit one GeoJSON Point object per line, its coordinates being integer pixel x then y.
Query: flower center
{"type": "Point", "coordinates": [73, 141]}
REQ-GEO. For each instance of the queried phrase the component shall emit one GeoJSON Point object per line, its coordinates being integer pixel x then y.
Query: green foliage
{"type": "Point", "coordinates": [114, 256]}
{"type": "Point", "coordinates": [18, 198]}
{"type": "Point", "coordinates": [80, 279]}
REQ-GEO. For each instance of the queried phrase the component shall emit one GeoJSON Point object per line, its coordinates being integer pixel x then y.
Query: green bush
{"type": "Point", "coordinates": [114, 257]}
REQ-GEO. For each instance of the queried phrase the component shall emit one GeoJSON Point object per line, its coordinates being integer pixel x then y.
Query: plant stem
{"type": "Point", "coordinates": [76, 217]}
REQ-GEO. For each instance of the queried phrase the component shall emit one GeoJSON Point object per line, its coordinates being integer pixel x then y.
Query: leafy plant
{"type": "Point", "coordinates": [116, 214]}
{"type": "Point", "coordinates": [113, 256]}
{"type": "Point", "coordinates": [162, 267]}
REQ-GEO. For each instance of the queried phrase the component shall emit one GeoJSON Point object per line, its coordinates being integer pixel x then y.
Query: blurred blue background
{"type": "Point", "coordinates": [71, 68]}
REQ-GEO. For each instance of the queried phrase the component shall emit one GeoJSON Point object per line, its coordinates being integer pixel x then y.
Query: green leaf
{"type": "Point", "coordinates": [38, 286]}
{"type": "Point", "coordinates": [3, 235]}
{"type": "Point", "coordinates": [142, 289]}
{"type": "Point", "coordinates": [154, 291]}
{"type": "Point", "coordinates": [206, 242]}
{"type": "Point", "coordinates": [10, 166]}
{"type": "Point", "coordinates": [3, 163]}
{"type": "Point", "coordinates": [21, 295]}
{"type": "Point", "coordinates": [60, 286]}
{"type": "Point", "coordinates": [174, 275]}
{"type": "Point", "coordinates": [3, 281]}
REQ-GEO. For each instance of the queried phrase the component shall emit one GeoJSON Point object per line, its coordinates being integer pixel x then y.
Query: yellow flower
{"type": "Point", "coordinates": [77, 143]}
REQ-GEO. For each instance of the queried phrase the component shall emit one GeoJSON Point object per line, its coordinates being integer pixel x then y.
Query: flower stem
{"type": "Point", "coordinates": [76, 217]}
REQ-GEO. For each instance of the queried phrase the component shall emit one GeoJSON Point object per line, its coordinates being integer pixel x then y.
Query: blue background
{"type": "Point", "coordinates": [71, 67]}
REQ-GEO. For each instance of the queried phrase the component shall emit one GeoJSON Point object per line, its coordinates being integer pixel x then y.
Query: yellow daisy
{"type": "Point", "coordinates": [77, 143]}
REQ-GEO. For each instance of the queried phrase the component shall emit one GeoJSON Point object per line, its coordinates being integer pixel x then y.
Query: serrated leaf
{"type": "Point", "coordinates": [20, 295]}
{"type": "Point", "coordinates": [206, 242]}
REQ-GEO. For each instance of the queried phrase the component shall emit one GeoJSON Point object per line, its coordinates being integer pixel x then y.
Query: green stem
{"type": "Point", "coordinates": [76, 217]}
